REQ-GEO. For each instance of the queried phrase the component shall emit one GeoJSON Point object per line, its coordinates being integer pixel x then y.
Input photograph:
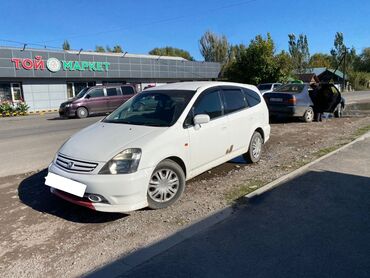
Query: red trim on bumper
{"type": "Point", "coordinates": [73, 199]}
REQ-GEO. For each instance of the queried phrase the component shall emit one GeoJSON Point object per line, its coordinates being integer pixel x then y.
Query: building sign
{"type": "Point", "coordinates": [55, 65]}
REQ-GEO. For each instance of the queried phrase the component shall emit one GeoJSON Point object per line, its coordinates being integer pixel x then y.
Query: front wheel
{"type": "Point", "coordinates": [166, 185]}
{"type": "Point", "coordinates": [255, 148]}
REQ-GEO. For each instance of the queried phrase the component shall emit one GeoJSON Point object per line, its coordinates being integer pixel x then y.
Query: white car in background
{"type": "Point", "coordinates": [268, 87]}
{"type": "Point", "coordinates": [142, 154]}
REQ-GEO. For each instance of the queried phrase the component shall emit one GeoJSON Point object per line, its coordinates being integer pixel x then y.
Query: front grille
{"type": "Point", "coordinates": [75, 165]}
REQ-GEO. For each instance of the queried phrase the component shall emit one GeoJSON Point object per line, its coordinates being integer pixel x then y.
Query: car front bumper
{"type": "Point", "coordinates": [67, 112]}
{"type": "Point", "coordinates": [124, 192]}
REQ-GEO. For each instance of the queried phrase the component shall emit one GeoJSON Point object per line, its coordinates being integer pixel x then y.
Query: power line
{"type": "Point", "coordinates": [30, 43]}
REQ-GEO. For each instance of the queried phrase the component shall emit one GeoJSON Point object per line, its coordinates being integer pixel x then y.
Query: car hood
{"type": "Point", "coordinates": [101, 141]}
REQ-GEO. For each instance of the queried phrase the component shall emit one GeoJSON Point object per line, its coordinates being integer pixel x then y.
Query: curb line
{"type": "Point", "coordinates": [124, 264]}
{"type": "Point", "coordinates": [301, 170]}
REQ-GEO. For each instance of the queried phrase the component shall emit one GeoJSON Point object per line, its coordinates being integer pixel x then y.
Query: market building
{"type": "Point", "coordinates": [45, 78]}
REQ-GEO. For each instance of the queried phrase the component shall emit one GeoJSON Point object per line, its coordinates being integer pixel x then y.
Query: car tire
{"type": "Point", "coordinates": [308, 115]}
{"type": "Point", "coordinates": [166, 185]}
{"type": "Point", "coordinates": [338, 113]}
{"type": "Point", "coordinates": [82, 112]}
{"type": "Point", "coordinates": [255, 148]}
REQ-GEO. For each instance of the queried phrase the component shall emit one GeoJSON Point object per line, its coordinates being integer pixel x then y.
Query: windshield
{"type": "Point", "coordinates": [82, 92]}
{"type": "Point", "coordinates": [264, 87]}
{"type": "Point", "coordinates": [291, 88]}
{"type": "Point", "coordinates": [152, 108]}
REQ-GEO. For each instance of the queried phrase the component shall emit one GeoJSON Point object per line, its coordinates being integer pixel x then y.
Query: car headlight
{"type": "Point", "coordinates": [125, 162]}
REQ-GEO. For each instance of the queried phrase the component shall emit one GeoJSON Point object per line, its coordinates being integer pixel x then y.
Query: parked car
{"type": "Point", "coordinates": [96, 100]}
{"type": "Point", "coordinates": [268, 87]}
{"type": "Point", "coordinates": [305, 100]}
{"type": "Point", "coordinates": [141, 154]}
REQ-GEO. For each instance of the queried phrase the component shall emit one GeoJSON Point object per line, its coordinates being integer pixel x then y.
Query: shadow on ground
{"type": "Point", "coordinates": [34, 193]}
{"type": "Point", "coordinates": [316, 225]}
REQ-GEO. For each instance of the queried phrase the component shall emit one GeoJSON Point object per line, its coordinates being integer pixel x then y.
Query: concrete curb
{"type": "Point", "coordinates": [301, 170]}
{"type": "Point", "coordinates": [127, 263]}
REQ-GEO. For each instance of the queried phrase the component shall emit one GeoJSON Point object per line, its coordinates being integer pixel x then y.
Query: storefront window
{"type": "Point", "coordinates": [17, 92]}
{"type": "Point", "coordinates": [70, 93]}
{"type": "Point", "coordinates": [5, 92]}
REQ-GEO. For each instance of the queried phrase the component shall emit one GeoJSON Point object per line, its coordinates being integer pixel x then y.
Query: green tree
{"type": "Point", "coordinates": [320, 60]}
{"type": "Point", "coordinates": [298, 49]}
{"type": "Point", "coordinates": [99, 48]}
{"type": "Point", "coordinates": [171, 51]}
{"type": "Point", "coordinates": [117, 49]}
{"type": "Point", "coordinates": [285, 66]}
{"type": "Point", "coordinates": [339, 50]}
{"type": "Point", "coordinates": [254, 64]}
{"type": "Point", "coordinates": [66, 45]}
{"type": "Point", "coordinates": [362, 63]}
{"type": "Point", "coordinates": [214, 48]}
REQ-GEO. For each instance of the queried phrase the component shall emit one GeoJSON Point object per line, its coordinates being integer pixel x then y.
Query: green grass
{"type": "Point", "coordinates": [243, 190]}
{"type": "Point", "coordinates": [362, 131]}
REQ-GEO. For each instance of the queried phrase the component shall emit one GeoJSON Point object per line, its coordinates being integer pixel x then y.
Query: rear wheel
{"type": "Point", "coordinates": [338, 113]}
{"type": "Point", "coordinates": [82, 112]}
{"type": "Point", "coordinates": [308, 115]}
{"type": "Point", "coordinates": [166, 185]}
{"type": "Point", "coordinates": [255, 148]}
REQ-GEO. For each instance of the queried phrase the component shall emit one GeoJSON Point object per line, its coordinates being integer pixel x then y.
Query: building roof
{"type": "Point", "coordinates": [110, 54]}
{"type": "Point", "coordinates": [319, 71]}
{"type": "Point", "coordinates": [308, 77]}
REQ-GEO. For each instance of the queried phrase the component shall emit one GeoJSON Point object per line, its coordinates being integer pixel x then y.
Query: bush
{"type": "Point", "coordinates": [359, 80]}
{"type": "Point", "coordinates": [9, 109]}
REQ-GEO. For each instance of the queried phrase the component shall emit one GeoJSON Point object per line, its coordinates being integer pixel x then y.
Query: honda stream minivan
{"type": "Point", "coordinates": [142, 154]}
{"type": "Point", "coordinates": [96, 100]}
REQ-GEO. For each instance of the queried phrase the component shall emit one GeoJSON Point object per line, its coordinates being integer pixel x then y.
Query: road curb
{"type": "Point", "coordinates": [301, 170]}
{"type": "Point", "coordinates": [127, 263]}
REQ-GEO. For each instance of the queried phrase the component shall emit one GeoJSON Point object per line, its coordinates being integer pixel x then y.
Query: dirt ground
{"type": "Point", "coordinates": [43, 236]}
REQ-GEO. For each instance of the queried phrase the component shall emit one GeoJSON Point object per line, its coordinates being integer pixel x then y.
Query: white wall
{"type": "Point", "coordinates": [44, 95]}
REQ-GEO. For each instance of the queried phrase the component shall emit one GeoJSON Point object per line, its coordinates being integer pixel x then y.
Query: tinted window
{"type": "Point", "coordinates": [264, 87]}
{"type": "Point", "coordinates": [112, 92]}
{"type": "Point", "coordinates": [209, 104]}
{"type": "Point", "coordinates": [234, 100]}
{"type": "Point", "coordinates": [291, 88]}
{"type": "Point", "coordinates": [127, 90]}
{"type": "Point", "coordinates": [96, 93]}
{"type": "Point", "coordinates": [252, 97]}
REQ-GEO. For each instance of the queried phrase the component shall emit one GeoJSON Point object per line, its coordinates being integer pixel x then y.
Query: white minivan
{"type": "Point", "coordinates": [142, 153]}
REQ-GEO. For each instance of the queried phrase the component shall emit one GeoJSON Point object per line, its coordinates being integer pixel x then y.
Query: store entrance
{"type": "Point", "coordinates": [73, 88]}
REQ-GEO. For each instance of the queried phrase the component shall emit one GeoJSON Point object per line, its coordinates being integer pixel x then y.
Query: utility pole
{"type": "Point", "coordinates": [344, 68]}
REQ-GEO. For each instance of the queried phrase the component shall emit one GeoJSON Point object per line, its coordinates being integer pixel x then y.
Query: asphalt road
{"type": "Point", "coordinates": [29, 143]}
{"type": "Point", "coordinates": [316, 225]}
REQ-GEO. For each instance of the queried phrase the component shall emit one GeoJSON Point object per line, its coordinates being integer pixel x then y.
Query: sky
{"type": "Point", "coordinates": [141, 25]}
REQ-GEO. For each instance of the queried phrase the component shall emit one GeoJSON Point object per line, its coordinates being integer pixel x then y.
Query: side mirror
{"type": "Point", "coordinates": [201, 119]}
{"type": "Point", "coordinates": [87, 96]}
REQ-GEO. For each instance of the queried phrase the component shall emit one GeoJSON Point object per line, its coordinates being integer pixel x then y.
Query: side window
{"type": "Point", "coordinates": [234, 100]}
{"type": "Point", "coordinates": [112, 92]}
{"type": "Point", "coordinates": [96, 93]}
{"type": "Point", "coordinates": [209, 104]}
{"type": "Point", "coordinates": [127, 90]}
{"type": "Point", "coordinates": [252, 97]}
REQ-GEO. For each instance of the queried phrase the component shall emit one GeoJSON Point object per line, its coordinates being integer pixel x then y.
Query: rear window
{"type": "Point", "coordinates": [291, 88]}
{"type": "Point", "coordinates": [127, 90]}
{"type": "Point", "coordinates": [234, 100]}
{"type": "Point", "coordinates": [252, 97]}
